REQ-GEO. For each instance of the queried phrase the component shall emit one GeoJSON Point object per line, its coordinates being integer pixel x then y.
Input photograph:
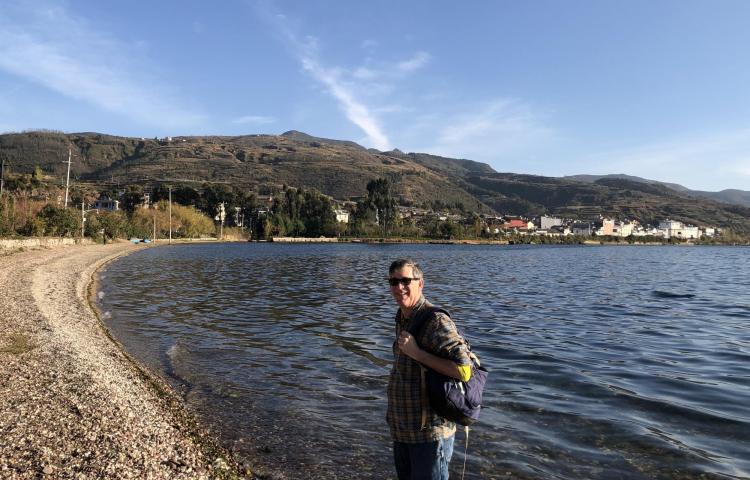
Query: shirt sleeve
{"type": "Point", "coordinates": [443, 340]}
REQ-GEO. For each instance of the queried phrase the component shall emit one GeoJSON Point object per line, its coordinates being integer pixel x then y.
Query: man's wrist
{"type": "Point", "coordinates": [419, 355]}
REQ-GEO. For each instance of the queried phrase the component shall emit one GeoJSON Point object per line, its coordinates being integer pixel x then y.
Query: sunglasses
{"type": "Point", "coordinates": [405, 281]}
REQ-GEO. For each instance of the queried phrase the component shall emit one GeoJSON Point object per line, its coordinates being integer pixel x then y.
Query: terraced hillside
{"type": "Point", "coordinates": [342, 170]}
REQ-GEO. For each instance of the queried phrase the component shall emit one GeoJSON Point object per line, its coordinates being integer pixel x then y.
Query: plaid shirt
{"type": "Point", "coordinates": [405, 398]}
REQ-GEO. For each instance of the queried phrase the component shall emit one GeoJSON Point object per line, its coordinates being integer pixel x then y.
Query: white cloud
{"type": "Point", "coordinates": [364, 73]}
{"type": "Point", "coordinates": [415, 63]}
{"type": "Point", "coordinates": [356, 111]}
{"type": "Point", "coordinates": [352, 87]}
{"type": "Point", "coordinates": [43, 43]}
{"type": "Point", "coordinates": [390, 72]}
{"type": "Point", "coordinates": [497, 127]}
{"type": "Point", "coordinates": [366, 91]}
{"type": "Point", "coordinates": [703, 162]}
{"type": "Point", "coordinates": [333, 79]}
{"type": "Point", "coordinates": [254, 120]}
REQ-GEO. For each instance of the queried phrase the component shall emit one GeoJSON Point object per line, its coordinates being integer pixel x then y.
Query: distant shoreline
{"type": "Point", "coordinates": [396, 240]}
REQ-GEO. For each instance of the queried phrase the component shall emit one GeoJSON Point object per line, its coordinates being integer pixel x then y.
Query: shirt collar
{"type": "Point", "coordinates": [420, 303]}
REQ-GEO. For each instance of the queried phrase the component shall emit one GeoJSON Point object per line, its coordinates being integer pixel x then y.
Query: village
{"type": "Point", "coordinates": [561, 227]}
{"type": "Point", "coordinates": [487, 225]}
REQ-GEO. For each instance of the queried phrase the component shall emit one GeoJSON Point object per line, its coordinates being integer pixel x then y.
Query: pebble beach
{"type": "Point", "coordinates": [72, 403]}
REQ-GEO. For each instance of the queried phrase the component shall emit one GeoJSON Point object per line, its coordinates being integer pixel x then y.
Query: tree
{"type": "Point", "coordinates": [317, 214]}
{"type": "Point", "coordinates": [62, 222]}
{"type": "Point", "coordinates": [186, 195]}
{"type": "Point", "coordinates": [213, 195]}
{"type": "Point", "coordinates": [132, 198]}
{"type": "Point", "coordinates": [363, 219]}
{"type": "Point", "coordinates": [113, 224]}
{"type": "Point", "coordinates": [38, 177]}
{"type": "Point", "coordinates": [380, 198]}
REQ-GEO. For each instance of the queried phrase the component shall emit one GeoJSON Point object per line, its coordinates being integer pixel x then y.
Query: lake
{"type": "Point", "coordinates": [606, 362]}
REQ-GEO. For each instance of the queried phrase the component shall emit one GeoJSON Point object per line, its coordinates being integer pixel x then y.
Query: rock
{"type": "Point", "coordinates": [48, 470]}
{"type": "Point", "coordinates": [220, 464]}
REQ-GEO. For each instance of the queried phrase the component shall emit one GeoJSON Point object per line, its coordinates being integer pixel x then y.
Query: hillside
{"type": "Point", "coordinates": [337, 168]}
{"type": "Point", "coordinates": [342, 170]}
{"type": "Point", "coordinates": [733, 196]}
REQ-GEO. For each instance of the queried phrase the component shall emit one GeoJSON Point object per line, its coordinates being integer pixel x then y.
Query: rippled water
{"type": "Point", "coordinates": [607, 362]}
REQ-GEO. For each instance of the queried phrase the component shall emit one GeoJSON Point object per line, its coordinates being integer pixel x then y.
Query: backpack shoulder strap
{"type": "Point", "coordinates": [415, 327]}
{"type": "Point", "coordinates": [423, 317]}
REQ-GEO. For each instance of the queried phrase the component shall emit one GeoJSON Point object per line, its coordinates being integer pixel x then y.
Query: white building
{"type": "Point", "coordinates": [342, 216]}
{"type": "Point", "coordinates": [640, 231]}
{"type": "Point", "coordinates": [674, 229]}
{"type": "Point", "coordinates": [668, 228]}
{"type": "Point", "coordinates": [623, 229]}
{"type": "Point", "coordinates": [106, 203]}
{"type": "Point", "coordinates": [689, 232]}
{"type": "Point", "coordinates": [548, 222]}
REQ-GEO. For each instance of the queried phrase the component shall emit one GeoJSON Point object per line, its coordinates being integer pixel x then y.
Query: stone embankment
{"type": "Point", "coordinates": [72, 404]}
{"type": "Point", "coordinates": [24, 243]}
{"type": "Point", "coordinates": [305, 239]}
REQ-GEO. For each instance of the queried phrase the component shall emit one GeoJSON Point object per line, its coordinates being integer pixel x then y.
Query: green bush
{"type": "Point", "coordinates": [59, 222]}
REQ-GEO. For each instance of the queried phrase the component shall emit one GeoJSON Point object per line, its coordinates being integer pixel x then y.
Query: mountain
{"type": "Point", "coordinates": [736, 197]}
{"type": "Point", "coordinates": [622, 176]}
{"type": "Point", "coordinates": [337, 168]}
{"type": "Point", "coordinates": [303, 137]}
{"type": "Point", "coordinates": [342, 170]}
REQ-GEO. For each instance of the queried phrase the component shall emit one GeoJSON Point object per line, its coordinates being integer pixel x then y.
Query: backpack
{"type": "Point", "coordinates": [452, 399]}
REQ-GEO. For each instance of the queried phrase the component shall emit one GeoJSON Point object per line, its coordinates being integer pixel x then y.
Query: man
{"type": "Point", "coordinates": [422, 440]}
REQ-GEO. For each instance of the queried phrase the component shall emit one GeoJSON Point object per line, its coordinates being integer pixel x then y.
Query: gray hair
{"type": "Point", "coordinates": [406, 262]}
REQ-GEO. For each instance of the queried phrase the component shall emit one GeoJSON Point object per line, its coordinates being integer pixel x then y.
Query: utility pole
{"type": "Point", "coordinates": [2, 178]}
{"type": "Point", "coordinates": [67, 181]}
{"type": "Point", "coordinates": [170, 214]}
{"type": "Point", "coordinates": [220, 217]}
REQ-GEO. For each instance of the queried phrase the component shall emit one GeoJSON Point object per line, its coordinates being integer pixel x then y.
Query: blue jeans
{"type": "Point", "coordinates": [423, 461]}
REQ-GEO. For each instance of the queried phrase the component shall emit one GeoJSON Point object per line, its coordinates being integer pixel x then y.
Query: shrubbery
{"type": "Point", "coordinates": [20, 216]}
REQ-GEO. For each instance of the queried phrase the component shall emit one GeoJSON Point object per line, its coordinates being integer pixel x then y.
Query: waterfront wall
{"type": "Point", "coordinates": [306, 239]}
{"type": "Point", "coordinates": [16, 243]}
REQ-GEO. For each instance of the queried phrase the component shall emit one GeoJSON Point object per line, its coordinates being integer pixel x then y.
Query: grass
{"type": "Point", "coordinates": [19, 343]}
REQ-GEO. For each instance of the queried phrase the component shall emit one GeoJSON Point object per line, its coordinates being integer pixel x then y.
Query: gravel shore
{"type": "Point", "coordinates": [72, 404]}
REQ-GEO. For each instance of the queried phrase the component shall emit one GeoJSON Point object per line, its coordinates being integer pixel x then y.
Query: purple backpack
{"type": "Point", "coordinates": [452, 399]}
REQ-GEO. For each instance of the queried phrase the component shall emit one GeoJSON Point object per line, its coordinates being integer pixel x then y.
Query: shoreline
{"type": "Point", "coordinates": [73, 403]}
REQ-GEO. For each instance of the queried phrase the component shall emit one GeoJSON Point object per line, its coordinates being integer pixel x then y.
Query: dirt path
{"type": "Point", "coordinates": [71, 403]}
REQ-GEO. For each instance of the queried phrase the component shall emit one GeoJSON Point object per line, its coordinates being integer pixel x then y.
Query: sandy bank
{"type": "Point", "coordinates": [72, 405]}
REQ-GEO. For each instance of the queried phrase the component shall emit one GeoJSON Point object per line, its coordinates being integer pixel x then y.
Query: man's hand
{"type": "Point", "coordinates": [408, 345]}
{"type": "Point", "coordinates": [410, 348]}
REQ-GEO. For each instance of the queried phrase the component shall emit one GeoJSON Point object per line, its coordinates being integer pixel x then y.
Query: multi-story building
{"type": "Point", "coordinates": [581, 229]}
{"type": "Point", "coordinates": [623, 229]}
{"type": "Point", "coordinates": [675, 229]}
{"type": "Point", "coordinates": [545, 222]}
{"type": "Point", "coordinates": [607, 227]}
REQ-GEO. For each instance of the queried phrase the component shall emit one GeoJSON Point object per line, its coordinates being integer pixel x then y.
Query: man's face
{"type": "Point", "coordinates": [408, 295]}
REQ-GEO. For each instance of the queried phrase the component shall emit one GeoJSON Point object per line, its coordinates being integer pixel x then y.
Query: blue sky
{"type": "Point", "coordinates": [657, 89]}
